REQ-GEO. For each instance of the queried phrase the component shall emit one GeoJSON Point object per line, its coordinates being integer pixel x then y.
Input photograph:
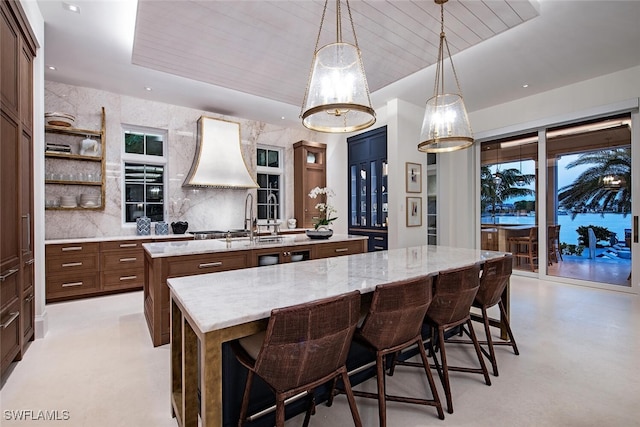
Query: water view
{"type": "Point", "coordinates": [614, 222]}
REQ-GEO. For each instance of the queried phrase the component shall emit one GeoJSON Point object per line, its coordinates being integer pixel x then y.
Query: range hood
{"type": "Point", "coordinates": [218, 161]}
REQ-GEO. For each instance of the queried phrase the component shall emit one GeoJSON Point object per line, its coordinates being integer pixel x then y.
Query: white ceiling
{"type": "Point", "coordinates": [251, 59]}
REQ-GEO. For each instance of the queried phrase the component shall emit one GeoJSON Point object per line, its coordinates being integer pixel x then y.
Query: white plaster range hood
{"type": "Point", "coordinates": [218, 161]}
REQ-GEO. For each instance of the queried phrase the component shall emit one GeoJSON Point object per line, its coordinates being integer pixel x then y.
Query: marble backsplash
{"type": "Point", "coordinates": [203, 208]}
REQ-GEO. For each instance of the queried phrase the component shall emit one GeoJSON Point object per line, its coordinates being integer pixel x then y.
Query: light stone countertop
{"type": "Point", "coordinates": [112, 238]}
{"type": "Point", "coordinates": [219, 300]}
{"type": "Point", "coordinates": [195, 247]}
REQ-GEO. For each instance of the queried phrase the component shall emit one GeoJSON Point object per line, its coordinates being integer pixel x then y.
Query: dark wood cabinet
{"type": "Point", "coordinates": [17, 50]}
{"type": "Point", "coordinates": [368, 187]}
{"type": "Point", "coordinates": [310, 171]}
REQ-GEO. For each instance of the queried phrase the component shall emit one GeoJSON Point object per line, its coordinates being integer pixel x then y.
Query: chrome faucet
{"type": "Point", "coordinates": [248, 220]}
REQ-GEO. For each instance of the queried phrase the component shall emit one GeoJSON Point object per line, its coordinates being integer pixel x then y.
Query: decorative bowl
{"type": "Point", "coordinates": [179, 227]}
{"type": "Point", "coordinates": [59, 119]}
{"type": "Point", "coordinates": [319, 234]}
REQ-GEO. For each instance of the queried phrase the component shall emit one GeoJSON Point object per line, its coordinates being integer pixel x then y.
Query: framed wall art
{"type": "Point", "coordinates": [414, 211]}
{"type": "Point", "coordinates": [414, 177]}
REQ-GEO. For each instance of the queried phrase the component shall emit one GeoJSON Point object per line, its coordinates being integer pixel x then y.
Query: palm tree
{"type": "Point", "coordinates": [506, 184]}
{"type": "Point", "coordinates": [589, 190]}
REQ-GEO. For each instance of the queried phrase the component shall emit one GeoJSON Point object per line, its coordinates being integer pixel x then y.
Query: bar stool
{"type": "Point", "coordinates": [304, 346]}
{"type": "Point", "coordinates": [553, 233]}
{"type": "Point", "coordinates": [494, 279]}
{"type": "Point", "coordinates": [526, 247]}
{"type": "Point", "coordinates": [454, 292]}
{"type": "Point", "coordinates": [394, 323]}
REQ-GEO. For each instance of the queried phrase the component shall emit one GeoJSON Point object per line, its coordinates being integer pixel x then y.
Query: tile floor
{"type": "Point", "coordinates": [579, 366]}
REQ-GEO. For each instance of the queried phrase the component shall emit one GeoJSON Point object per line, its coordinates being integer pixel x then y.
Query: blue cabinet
{"type": "Point", "coordinates": [368, 183]}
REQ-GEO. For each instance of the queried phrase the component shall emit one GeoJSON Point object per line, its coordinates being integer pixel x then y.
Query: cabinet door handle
{"type": "Point", "coordinates": [378, 238]}
{"type": "Point", "coordinates": [128, 259]}
{"type": "Point", "coordinates": [31, 261]}
{"type": "Point", "coordinates": [8, 273]}
{"type": "Point", "coordinates": [342, 250]}
{"type": "Point", "coordinates": [210, 264]}
{"type": "Point", "coordinates": [378, 248]}
{"type": "Point", "coordinates": [72, 248]}
{"type": "Point", "coordinates": [72, 264]}
{"type": "Point", "coordinates": [27, 217]}
{"type": "Point", "coordinates": [13, 316]}
{"type": "Point", "coordinates": [128, 245]}
{"type": "Point", "coordinates": [122, 279]}
{"type": "Point", "coordinates": [29, 299]}
{"type": "Point", "coordinates": [69, 285]}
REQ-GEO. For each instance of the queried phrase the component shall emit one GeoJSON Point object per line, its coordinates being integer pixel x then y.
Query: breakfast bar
{"type": "Point", "coordinates": [209, 310]}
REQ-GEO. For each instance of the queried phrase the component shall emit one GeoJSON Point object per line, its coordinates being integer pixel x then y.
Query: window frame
{"type": "Point", "coordinates": [270, 170]}
{"type": "Point", "coordinates": [147, 160]}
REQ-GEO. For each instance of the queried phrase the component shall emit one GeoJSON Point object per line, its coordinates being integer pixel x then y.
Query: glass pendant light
{"type": "Point", "coordinates": [337, 95]}
{"type": "Point", "coordinates": [446, 125]}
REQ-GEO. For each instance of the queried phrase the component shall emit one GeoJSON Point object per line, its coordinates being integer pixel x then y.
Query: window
{"type": "Point", "coordinates": [270, 173]}
{"type": "Point", "coordinates": [144, 166]}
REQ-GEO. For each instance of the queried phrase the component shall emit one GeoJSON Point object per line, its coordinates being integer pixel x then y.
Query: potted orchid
{"type": "Point", "coordinates": [327, 212]}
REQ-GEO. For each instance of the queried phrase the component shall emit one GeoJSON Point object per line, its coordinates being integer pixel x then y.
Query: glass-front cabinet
{"type": "Point", "coordinates": [368, 184]}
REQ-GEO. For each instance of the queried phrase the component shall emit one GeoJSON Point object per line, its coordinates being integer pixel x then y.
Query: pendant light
{"type": "Point", "coordinates": [337, 95]}
{"type": "Point", "coordinates": [446, 125]}
{"type": "Point", "coordinates": [497, 176]}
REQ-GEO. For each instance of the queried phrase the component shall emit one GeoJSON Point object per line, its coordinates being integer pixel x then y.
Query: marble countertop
{"type": "Point", "coordinates": [219, 300]}
{"type": "Point", "coordinates": [111, 238]}
{"type": "Point", "coordinates": [195, 247]}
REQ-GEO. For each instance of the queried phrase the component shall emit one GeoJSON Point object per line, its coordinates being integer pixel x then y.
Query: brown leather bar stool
{"type": "Point", "coordinates": [304, 347]}
{"type": "Point", "coordinates": [454, 292]}
{"type": "Point", "coordinates": [394, 323]}
{"type": "Point", "coordinates": [494, 279]}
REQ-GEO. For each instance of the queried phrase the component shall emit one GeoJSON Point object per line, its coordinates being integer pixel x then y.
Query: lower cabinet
{"type": "Point", "coordinates": [84, 269]}
{"type": "Point", "coordinates": [158, 270]}
{"type": "Point", "coordinates": [156, 290]}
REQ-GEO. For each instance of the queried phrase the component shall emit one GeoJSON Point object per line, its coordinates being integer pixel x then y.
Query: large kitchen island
{"type": "Point", "coordinates": [165, 260]}
{"type": "Point", "coordinates": [210, 310]}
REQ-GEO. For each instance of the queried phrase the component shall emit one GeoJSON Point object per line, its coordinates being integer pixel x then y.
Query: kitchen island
{"type": "Point", "coordinates": [185, 258]}
{"type": "Point", "coordinates": [204, 316]}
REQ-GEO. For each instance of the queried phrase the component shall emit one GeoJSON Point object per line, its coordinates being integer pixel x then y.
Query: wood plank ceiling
{"type": "Point", "coordinates": [265, 47]}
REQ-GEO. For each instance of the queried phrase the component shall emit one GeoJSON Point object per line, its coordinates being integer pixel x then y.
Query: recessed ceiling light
{"type": "Point", "coordinates": [71, 7]}
{"type": "Point", "coordinates": [526, 85]}
{"type": "Point", "coordinates": [51, 67]}
{"type": "Point", "coordinates": [282, 118]}
{"type": "Point", "coordinates": [148, 89]}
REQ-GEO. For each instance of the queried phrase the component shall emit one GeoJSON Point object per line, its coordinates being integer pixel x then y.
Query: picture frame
{"type": "Point", "coordinates": [414, 211]}
{"type": "Point", "coordinates": [413, 177]}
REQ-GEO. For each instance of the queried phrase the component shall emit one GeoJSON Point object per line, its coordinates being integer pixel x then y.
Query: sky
{"type": "Point", "coordinates": [565, 176]}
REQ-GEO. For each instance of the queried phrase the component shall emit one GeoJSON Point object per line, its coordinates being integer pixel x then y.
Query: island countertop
{"type": "Point", "coordinates": [219, 300]}
{"type": "Point", "coordinates": [194, 247]}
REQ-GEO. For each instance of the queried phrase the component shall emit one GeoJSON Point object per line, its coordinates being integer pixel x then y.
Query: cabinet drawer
{"type": "Point", "coordinates": [119, 245]}
{"type": "Point", "coordinates": [209, 263]}
{"type": "Point", "coordinates": [10, 333]}
{"type": "Point", "coordinates": [71, 248]}
{"type": "Point", "coordinates": [70, 285]}
{"type": "Point", "coordinates": [123, 279]}
{"type": "Point", "coordinates": [339, 248]}
{"type": "Point", "coordinates": [9, 287]}
{"type": "Point", "coordinates": [73, 263]}
{"type": "Point", "coordinates": [122, 259]}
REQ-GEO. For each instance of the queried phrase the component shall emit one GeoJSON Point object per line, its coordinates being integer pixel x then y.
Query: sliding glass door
{"type": "Point", "coordinates": [589, 200]}
{"type": "Point", "coordinates": [574, 220]}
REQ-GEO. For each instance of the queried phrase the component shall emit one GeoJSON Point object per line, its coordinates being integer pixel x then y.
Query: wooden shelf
{"type": "Point", "coordinates": [94, 183]}
{"type": "Point", "coordinates": [72, 131]}
{"type": "Point", "coordinates": [72, 156]}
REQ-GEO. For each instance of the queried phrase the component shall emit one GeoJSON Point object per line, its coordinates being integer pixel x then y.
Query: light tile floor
{"type": "Point", "coordinates": [579, 366]}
